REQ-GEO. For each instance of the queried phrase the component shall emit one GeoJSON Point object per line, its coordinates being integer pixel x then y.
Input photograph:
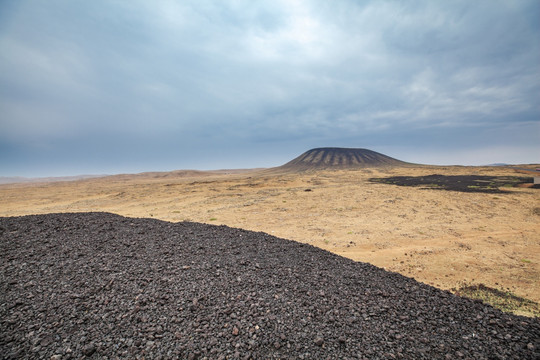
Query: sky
{"type": "Point", "coordinates": [126, 86]}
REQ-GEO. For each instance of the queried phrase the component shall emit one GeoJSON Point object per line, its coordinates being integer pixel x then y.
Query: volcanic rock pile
{"type": "Point", "coordinates": [101, 286]}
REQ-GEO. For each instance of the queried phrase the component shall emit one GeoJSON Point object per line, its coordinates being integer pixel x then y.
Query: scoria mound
{"type": "Point", "coordinates": [101, 286]}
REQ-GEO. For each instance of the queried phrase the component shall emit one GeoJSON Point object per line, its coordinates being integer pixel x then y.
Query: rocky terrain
{"type": "Point", "coordinates": [100, 286]}
{"type": "Point", "coordinates": [463, 183]}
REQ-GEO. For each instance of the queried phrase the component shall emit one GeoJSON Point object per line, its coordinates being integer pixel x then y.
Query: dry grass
{"type": "Point", "coordinates": [442, 238]}
{"type": "Point", "coordinates": [501, 299]}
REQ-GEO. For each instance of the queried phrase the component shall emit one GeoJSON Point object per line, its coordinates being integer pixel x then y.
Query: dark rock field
{"type": "Point", "coordinates": [102, 286]}
{"type": "Point", "coordinates": [462, 183]}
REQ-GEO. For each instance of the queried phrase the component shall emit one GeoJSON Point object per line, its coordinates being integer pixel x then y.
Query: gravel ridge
{"type": "Point", "coordinates": [103, 286]}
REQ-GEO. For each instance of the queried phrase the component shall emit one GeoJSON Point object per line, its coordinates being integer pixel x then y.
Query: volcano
{"type": "Point", "coordinates": [340, 158]}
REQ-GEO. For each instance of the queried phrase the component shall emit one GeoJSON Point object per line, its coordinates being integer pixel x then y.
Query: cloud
{"type": "Point", "coordinates": [242, 73]}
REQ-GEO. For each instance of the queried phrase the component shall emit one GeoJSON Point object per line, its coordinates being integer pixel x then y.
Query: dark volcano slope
{"type": "Point", "coordinates": [104, 286]}
{"type": "Point", "coordinates": [340, 158]}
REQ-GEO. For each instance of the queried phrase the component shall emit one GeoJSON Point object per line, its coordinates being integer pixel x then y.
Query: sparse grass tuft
{"type": "Point", "coordinates": [213, 219]}
{"type": "Point", "coordinates": [502, 300]}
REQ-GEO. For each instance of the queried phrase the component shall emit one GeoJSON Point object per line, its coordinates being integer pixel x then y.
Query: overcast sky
{"type": "Point", "coordinates": [130, 86]}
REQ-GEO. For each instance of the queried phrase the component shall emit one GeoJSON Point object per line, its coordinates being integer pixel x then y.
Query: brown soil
{"type": "Point", "coordinates": [447, 239]}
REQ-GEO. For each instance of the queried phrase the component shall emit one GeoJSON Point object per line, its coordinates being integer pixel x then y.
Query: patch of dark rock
{"type": "Point", "coordinates": [463, 183]}
{"type": "Point", "coordinates": [98, 285]}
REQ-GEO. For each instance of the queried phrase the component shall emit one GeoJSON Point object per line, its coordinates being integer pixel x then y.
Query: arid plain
{"type": "Point", "coordinates": [448, 239]}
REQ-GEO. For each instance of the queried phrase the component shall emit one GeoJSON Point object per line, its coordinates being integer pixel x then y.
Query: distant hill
{"type": "Point", "coordinates": [340, 158]}
{"type": "Point", "coordinates": [21, 179]}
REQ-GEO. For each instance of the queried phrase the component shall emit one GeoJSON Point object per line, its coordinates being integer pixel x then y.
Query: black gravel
{"type": "Point", "coordinates": [462, 183]}
{"type": "Point", "coordinates": [103, 286]}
